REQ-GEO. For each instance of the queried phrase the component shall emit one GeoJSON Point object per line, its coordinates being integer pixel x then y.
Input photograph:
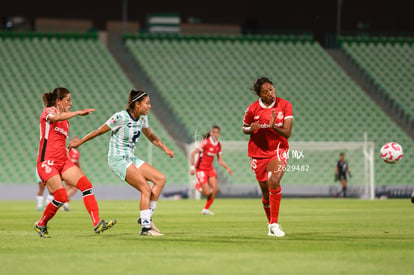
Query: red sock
{"type": "Point", "coordinates": [89, 199]}
{"type": "Point", "coordinates": [275, 196]}
{"type": "Point", "coordinates": [53, 206]}
{"type": "Point", "coordinates": [208, 203]}
{"type": "Point", "coordinates": [266, 207]}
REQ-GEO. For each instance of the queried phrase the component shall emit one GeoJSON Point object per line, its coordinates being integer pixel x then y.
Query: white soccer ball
{"type": "Point", "coordinates": [391, 152]}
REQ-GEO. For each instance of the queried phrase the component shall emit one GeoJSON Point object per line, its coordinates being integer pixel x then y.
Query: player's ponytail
{"type": "Point", "coordinates": [207, 135]}
{"type": "Point", "coordinates": [49, 99]}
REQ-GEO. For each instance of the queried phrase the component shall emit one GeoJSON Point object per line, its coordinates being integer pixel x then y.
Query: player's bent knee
{"type": "Point", "coordinates": [84, 184]}
{"type": "Point", "coordinates": [162, 180]}
{"type": "Point", "coordinates": [60, 197]}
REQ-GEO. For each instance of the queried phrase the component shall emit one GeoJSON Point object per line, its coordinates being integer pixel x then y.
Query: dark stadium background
{"type": "Point", "coordinates": [319, 17]}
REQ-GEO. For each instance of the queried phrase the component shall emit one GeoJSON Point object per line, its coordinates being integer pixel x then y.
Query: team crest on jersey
{"type": "Point", "coordinates": [256, 117]}
{"type": "Point", "coordinates": [115, 118]}
{"type": "Point", "coordinates": [280, 115]}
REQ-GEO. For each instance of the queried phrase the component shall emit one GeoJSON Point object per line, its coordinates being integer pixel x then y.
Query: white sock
{"type": "Point", "coordinates": [49, 198]}
{"type": "Point", "coordinates": [145, 218]}
{"type": "Point", "coordinates": [39, 200]}
{"type": "Point", "coordinates": [153, 205]}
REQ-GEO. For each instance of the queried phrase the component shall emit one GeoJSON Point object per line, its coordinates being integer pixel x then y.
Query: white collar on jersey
{"type": "Point", "coordinates": [213, 140]}
{"type": "Point", "coordinates": [264, 106]}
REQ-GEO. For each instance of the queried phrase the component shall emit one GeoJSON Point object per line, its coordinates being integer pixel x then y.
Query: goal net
{"type": "Point", "coordinates": [310, 170]}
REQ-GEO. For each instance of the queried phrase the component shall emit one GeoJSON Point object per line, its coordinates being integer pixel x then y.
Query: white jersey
{"type": "Point", "coordinates": [125, 132]}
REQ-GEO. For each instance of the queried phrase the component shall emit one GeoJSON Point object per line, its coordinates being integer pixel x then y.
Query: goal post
{"type": "Point", "coordinates": [310, 169]}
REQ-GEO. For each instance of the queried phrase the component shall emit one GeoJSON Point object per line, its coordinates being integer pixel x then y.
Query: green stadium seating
{"type": "Point", "coordinates": [32, 65]}
{"type": "Point", "coordinates": [389, 63]}
{"type": "Point", "coordinates": [206, 81]}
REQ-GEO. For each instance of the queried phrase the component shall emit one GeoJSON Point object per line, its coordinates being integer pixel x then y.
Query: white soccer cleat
{"type": "Point", "coordinates": [150, 232]}
{"type": "Point", "coordinates": [275, 230]}
{"type": "Point", "coordinates": [152, 225]}
{"type": "Point", "coordinates": [207, 212]}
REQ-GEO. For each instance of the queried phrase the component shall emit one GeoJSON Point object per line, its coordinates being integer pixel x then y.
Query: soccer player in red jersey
{"type": "Point", "coordinates": [208, 148]}
{"type": "Point", "coordinates": [268, 121]}
{"type": "Point", "coordinates": [53, 164]}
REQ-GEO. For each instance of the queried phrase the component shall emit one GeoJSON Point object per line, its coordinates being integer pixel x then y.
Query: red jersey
{"type": "Point", "coordinates": [264, 142]}
{"type": "Point", "coordinates": [209, 148]}
{"type": "Point", "coordinates": [53, 137]}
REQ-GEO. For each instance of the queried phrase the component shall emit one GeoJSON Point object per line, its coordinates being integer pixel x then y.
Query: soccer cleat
{"type": "Point", "coordinates": [103, 225]}
{"type": "Point", "coordinates": [197, 186]}
{"type": "Point", "coordinates": [412, 199]}
{"type": "Point", "coordinates": [41, 230]}
{"type": "Point", "coordinates": [152, 225]}
{"type": "Point", "coordinates": [40, 208]}
{"type": "Point", "coordinates": [207, 212]}
{"type": "Point", "coordinates": [275, 230]}
{"type": "Point", "coordinates": [150, 232]}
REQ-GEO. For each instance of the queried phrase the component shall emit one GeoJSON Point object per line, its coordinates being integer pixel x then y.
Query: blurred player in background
{"type": "Point", "coordinates": [341, 172]}
{"type": "Point", "coordinates": [268, 121]}
{"type": "Point", "coordinates": [206, 175]}
{"type": "Point", "coordinates": [74, 156]}
{"type": "Point", "coordinates": [39, 194]}
{"type": "Point", "coordinates": [53, 164]}
{"type": "Point", "coordinates": [126, 127]}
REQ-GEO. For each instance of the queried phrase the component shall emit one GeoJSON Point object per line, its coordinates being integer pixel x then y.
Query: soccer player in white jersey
{"type": "Point", "coordinates": [268, 121]}
{"type": "Point", "coordinates": [126, 127]}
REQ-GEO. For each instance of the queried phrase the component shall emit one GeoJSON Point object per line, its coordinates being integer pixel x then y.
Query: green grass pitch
{"type": "Point", "coordinates": [323, 236]}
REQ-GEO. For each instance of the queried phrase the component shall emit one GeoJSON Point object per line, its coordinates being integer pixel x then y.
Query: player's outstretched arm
{"type": "Point", "coordinates": [101, 130]}
{"type": "Point", "coordinates": [156, 141]}
{"type": "Point", "coordinates": [69, 115]}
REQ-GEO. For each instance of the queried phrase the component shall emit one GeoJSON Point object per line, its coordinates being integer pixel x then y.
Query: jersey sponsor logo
{"type": "Point", "coordinates": [63, 132]}
{"type": "Point", "coordinates": [210, 154]}
{"type": "Point", "coordinates": [264, 125]}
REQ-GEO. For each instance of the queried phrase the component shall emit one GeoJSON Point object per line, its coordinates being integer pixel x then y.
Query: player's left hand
{"type": "Point", "coordinates": [229, 171]}
{"type": "Point", "coordinates": [74, 144]}
{"type": "Point", "coordinates": [169, 152]}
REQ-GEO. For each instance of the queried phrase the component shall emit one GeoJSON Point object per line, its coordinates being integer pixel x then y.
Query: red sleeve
{"type": "Point", "coordinates": [288, 110]}
{"type": "Point", "coordinates": [248, 117]}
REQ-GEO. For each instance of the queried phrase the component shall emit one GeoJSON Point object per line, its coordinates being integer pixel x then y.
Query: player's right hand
{"type": "Point", "coordinates": [254, 126]}
{"type": "Point", "coordinates": [86, 112]}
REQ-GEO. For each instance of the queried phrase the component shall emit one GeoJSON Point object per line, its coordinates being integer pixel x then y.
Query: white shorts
{"type": "Point", "coordinates": [119, 165]}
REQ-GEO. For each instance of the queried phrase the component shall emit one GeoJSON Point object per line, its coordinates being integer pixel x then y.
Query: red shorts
{"type": "Point", "coordinates": [203, 175]}
{"type": "Point", "coordinates": [259, 165]}
{"type": "Point", "coordinates": [50, 168]}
